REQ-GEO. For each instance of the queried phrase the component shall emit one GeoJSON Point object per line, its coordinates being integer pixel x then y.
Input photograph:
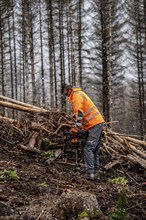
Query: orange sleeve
{"type": "Point", "coordinates": [77, 103]}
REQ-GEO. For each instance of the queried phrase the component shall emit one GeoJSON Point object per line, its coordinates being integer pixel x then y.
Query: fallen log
{"type": "Point", "coordinates": [19, 102]}
{"type": "Point", "coordinates": [21, 108]}
{"type": "Point", "coordinates": [120, 138]}
{"type": "Point", "coordinates": [136, 141]}
{"type": "Point", "coordinates": [138, 152]}
{"type": "Point", "coordinates": [135, 159]}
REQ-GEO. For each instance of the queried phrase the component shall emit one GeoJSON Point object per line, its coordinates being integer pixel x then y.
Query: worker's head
{"type": "Point", "coordinates": [67, 89]}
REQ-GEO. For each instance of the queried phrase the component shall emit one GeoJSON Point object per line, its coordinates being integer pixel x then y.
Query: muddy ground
{"type": "Point", "coordinates": [37, 185]}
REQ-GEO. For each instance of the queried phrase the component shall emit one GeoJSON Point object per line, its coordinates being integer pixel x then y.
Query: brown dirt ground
{"type": "Point", "coordinates": [27, 198]}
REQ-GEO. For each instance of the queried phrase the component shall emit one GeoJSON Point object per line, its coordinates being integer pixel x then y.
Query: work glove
{"type": "Point", "coordinates": [83, 132]}
{"type": "Point", "coordinates": [76, 132]}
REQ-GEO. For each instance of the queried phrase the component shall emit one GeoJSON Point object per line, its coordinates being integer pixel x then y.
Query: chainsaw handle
{"type": "Point", "coordinates": [83, 132]}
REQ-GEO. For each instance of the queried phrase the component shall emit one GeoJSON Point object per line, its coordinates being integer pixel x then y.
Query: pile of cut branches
{"type": "Point", "coordinates": [41, 124]}
{"type": "Point", "coordinates": [30, 132]}
{"type": "Point", "coordinates": [123, 147]}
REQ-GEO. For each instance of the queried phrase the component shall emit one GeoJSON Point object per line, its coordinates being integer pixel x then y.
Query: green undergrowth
{"type": "Point", "coordinates": [9, 174]}
{"type": "Point", "coordinates": [119, 212]}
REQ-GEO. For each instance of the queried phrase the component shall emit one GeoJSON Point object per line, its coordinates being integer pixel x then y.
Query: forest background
{"type": "Point", "coordinates": [99, 45]}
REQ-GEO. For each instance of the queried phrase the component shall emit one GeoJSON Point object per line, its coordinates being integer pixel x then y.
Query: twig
{"type": "Point", "coordinates": [62, 125]}
{"type": "Point", "coordinates": [40, 214]}
{"type": "Point", "coordinates": [7, 141]}
{"type": "Point", "coordinates": [127, 173]}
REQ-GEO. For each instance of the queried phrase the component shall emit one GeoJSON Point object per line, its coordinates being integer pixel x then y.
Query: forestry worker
{"type": "Point", "coordinates": [90, 121]}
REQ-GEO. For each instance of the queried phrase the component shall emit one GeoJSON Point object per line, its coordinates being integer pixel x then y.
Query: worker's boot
{"type": "Point", "coordinates": [90, 176]}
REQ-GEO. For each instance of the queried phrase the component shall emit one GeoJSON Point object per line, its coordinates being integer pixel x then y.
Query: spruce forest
{"type": "Point", "coordinates": [100, 46]}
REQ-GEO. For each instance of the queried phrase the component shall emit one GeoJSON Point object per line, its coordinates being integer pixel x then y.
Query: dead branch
{"type": "Point", "coordinates": [30, 149]}
{"type": "Point", "coordinates": [33, 140]}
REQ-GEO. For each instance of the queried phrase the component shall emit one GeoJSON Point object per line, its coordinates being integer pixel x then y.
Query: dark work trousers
{"type": "Point", "coordinates": [91, 149]}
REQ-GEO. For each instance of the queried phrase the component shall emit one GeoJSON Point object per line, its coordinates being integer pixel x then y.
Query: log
{"type": "Point", "coordinates": [139, 152]}
{"type": "Point", "coordinates": [136, 141]}
{"type": "Point", "coordinates": [116, 144]}
{"type": "Point", "coordinates": [19, 102]}
{"type": "Point", "coordinates": [135, 159]}
{"type": "Point", "coordinates": [21, 108]}
{"type": "Point", "coordinates": [111, 164]}
{"type": "Point", "coordinates": [120, 137]}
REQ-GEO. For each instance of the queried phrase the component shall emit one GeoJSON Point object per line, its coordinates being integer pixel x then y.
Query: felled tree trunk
{"type": "Point", "coordinates": [21, 108]}
{"type": "Point", "coordinates": [7, 99]}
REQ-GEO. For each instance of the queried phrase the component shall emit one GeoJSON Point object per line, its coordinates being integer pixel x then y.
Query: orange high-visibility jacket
{"type": "Point", "coordinates": [90, 113]}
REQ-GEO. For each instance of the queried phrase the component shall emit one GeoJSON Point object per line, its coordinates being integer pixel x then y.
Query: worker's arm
{"type": "Point", "coordinates": [77, 107]}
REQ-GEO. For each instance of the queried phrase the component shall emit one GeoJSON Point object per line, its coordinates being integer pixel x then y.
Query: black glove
{"type": "Point", "coordinates": [83, 132]}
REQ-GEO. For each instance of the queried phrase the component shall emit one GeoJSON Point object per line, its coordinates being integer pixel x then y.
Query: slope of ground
{"type": "Point", "coordinates": [38, 184]}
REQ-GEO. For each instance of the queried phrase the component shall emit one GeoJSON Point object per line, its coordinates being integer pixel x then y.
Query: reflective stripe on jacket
{"type": "Point", "coordinates": [81, 103]}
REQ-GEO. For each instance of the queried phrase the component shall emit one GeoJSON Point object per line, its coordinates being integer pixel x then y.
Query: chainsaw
{"type": "Point", "coordinates": [75, 139]}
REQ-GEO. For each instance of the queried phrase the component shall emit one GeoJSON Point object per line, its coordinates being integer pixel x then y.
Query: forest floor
{"type": "Point", "coordinates": [36, 184]}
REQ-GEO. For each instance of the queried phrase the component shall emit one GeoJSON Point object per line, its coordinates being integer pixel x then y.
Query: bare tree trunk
{"type": "Point", "coordinates": [80, 41]}
{"type": "Point", "coordinates": [23, 51]}
{"type": "Point", "coordinates": [73, 67]}
{"type": "Point", "coordinates": [50, 53]}
{"type": "Point", "coordinates": [104, 60]}
{"type": "Point", "coordinates": [139, 87]}
{"type": "Point", "coordinates": [109, 67]}
{"type": "Point", "coordinates": [140, 68]}
{"type": "Point", "coordinates": [21, 87]}
{"type": "Point", "coordinates": [15, 58]}
{"type": "Point", "coordinates": [54, 60]}
{"type": "Point", "coordinates": [55, 75]}
{"type": "Point", "coordinates": [11, 60]}
{"type": "Point", "coordinates": [3, 68]}
{"type": "Point", "coordinates": [62, 74]}
{"type": "Point", "coordinates": [144, 89]}
{"type": "Point", "coordinates": [62, 33]}
{"type": "Point", "coordinates": [68, 40]}
{"type": "Point", "coordinates": [24, 81]}
{"type": "Point", "coordinates": [26, 49]}
{"type": "Point", "coordinates": [32, 62]}
{"type": "Point", "coordinates": [142, 85]}
{"type": "Point", "coordinates": [106, 29]}
{"type": "Point", "coordinates": [42, 55]}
